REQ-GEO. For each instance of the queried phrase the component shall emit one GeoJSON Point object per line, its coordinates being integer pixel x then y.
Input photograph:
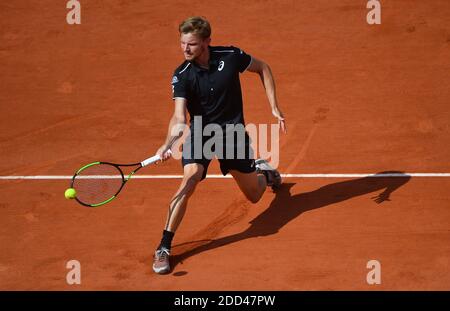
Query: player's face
{"type": "Point", "coordinates": [193, 46]}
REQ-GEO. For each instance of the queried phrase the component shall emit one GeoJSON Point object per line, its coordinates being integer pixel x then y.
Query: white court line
{"type": "Point", "coordinates": [219, 176]}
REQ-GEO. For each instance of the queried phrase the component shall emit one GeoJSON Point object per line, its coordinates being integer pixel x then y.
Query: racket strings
{"type": "Point", "coordinates": [97, 183]}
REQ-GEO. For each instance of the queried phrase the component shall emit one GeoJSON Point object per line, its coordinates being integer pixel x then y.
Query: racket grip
{"type": "Point", "coordinates": [150, 160]}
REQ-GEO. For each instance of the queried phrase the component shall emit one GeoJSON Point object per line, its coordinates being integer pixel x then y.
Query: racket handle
{"type": "Point", "coordinates": [153, 159]}
{"type": "Point", "coordinates": [150, 160]}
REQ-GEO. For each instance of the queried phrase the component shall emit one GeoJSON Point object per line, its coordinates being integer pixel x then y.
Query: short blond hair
{"type": "Point", "coordinates": [197, 25]}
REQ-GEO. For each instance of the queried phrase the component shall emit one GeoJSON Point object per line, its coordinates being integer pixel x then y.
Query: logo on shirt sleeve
{"type": "Point", "coordinates": [174, 80]}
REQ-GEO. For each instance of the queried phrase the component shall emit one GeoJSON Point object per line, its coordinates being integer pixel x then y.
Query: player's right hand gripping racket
{"type": "Point", "coordinates": [99, 183]}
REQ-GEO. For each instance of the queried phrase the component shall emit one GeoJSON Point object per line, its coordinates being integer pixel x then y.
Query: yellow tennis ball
{"type": "Point", "coordinates": [70, 193]}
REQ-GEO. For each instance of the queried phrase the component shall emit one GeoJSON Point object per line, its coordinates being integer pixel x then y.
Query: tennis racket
{"type": "Point", "coordinates": [99, 183]}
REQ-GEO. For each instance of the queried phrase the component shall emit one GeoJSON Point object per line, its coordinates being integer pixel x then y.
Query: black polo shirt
{"type": "Point", "coordinates": [214, 93]}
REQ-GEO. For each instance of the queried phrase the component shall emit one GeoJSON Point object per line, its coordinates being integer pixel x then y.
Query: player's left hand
{"type": "Point", "coordinates": [281, 121]}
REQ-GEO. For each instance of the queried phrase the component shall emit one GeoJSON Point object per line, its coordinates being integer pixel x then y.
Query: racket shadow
{"type": "Point", "coordinates": [286, 207]}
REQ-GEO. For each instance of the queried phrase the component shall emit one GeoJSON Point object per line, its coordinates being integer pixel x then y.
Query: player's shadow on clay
{"type": "Point", "coordinates": [286, 207]}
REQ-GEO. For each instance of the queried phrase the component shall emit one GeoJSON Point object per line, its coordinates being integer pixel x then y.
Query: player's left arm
{"type": "Point", "coordinates": [264, 71]}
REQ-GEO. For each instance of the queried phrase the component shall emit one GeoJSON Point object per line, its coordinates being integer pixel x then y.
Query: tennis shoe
{"type": "Point", "coordinates": [273, 177]}
{"type": "Point", "coordinates": [161, 263]}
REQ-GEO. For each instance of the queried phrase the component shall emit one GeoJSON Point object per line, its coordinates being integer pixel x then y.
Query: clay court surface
{"type": "Point", "coordinates": [358, 99]}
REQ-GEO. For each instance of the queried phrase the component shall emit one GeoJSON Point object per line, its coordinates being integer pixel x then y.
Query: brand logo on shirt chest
{"type": "Point", "coordinates": [221, 65]}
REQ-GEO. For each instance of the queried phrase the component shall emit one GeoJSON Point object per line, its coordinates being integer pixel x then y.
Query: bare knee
{"type": "Point", "coordinates": [250, 184]}
{"type": "Point", "coordinates": [189, 184]}
{"type": "Point", "coordinates": [254, 196]}
{"type": "Point", "coordinates": [186, 189]}
{"type": "Point", "coordinates": [192, 176]}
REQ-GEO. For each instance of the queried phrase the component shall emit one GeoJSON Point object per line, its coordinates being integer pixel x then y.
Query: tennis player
{"type": "Point", "coordinates": [207, 85]}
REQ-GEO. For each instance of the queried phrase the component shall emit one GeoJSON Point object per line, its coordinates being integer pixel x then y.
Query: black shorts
{"type": "Point", "coordinates": [239, 158]}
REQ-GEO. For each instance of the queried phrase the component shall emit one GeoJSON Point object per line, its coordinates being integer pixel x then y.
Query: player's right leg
{"type": "Point", "coordinates": [193, 173]}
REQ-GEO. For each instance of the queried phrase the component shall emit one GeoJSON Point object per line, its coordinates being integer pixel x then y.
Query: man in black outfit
{"type": "Point", "coordinates": [207, 85]}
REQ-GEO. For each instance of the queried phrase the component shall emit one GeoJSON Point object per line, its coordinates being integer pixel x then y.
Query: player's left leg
{"type": "Point", "coordinates": [251, 184]}
{"type": "Point", "coordinates": [252, 176]}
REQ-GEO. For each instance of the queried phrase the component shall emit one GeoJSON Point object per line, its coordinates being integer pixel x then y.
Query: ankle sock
{"type": "Point", "coordinates": [166, 240]}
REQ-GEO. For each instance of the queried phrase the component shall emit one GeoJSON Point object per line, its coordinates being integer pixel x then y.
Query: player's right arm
{"type": "Point", "coordinates": [177, 125]}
